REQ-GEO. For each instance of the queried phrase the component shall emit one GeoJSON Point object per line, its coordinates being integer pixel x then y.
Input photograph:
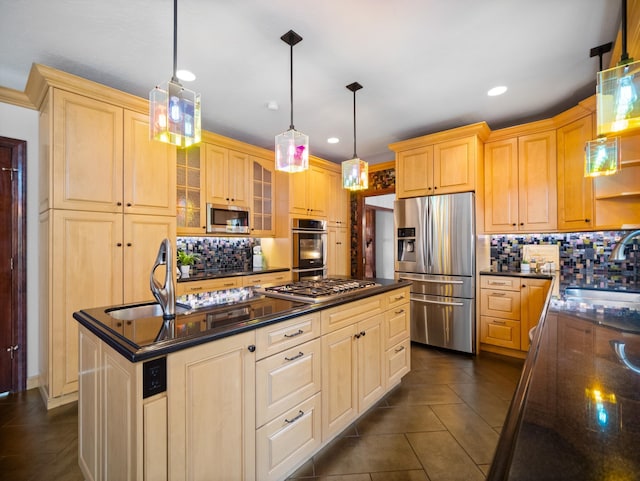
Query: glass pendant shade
{"type": "Point", "coordinates": [175, 115]}
{"type": "Point", "coordinates": [292, 151]}
{"type": "Point", "coordinates": [617, 101]}
{"type": "Point", "coordinates": [602, 157]}
{"type": "Point", "coordinates": [355, 174]}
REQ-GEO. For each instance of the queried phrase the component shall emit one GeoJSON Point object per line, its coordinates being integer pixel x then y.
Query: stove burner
{"type": "Point", "coordinates": [317, 290]}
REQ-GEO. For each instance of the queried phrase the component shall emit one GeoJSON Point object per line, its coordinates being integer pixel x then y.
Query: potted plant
{"type": "Point", "coordinates": [186, 260]}
{"type": "Point", "coordinates": [524, 266]}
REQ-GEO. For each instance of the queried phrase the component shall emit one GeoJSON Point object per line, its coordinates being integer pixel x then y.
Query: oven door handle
{"type": "Point", "coordinates": [433, 281]}
{"type": "Point", "coordinates": [301, 231]}
{"type": "Point", "coordinates": [442, 303]}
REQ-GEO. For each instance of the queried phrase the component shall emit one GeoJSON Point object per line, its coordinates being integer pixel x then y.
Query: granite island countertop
{"type": "Point", "coordinates": [575, 414]}
{"type": "Point", "coordinates": [137, 340]}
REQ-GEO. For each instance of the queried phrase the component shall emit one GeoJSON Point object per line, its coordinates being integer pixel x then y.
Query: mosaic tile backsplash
{"type": "Point", "coordinates": [584, 257]}
{"type": "Point", "coordinates": [219, 254]}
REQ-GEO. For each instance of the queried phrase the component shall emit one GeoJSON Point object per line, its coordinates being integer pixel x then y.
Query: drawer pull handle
{"type": "Point", "coordinates": [300, 331]}
{"type": "Point", "coordinates": [399, 298]}
{"type": "Point", "coordinates": [400, 349]}
{"type": "Point", "coordinates": [195, 289]}
{"type": "Point", "coordinates": [399, 311]}
{"type": "Point", "coordinates": [497, 294]}
{"type": "Point", "coordinates": [299, 355]}
{"type": "Point", "coordinates": [300, 414]}
{"type": "Point", "coordinates": [228, 284]}
{"type": "Point", "coordinates": [496, 283]}
{"type": "Point", "coordinates": [502, 323]}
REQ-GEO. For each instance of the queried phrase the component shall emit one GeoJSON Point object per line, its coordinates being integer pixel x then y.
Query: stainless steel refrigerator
{"type": "Point", "coordinates": [435, 249]}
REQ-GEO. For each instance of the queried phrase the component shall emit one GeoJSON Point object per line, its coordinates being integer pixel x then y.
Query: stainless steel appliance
{"type": "Point", "coordinates": [309, 239]}
{"type": "Point", "coordinates": [435, 239]}
{"type": "Point", "coordinates": [317, 290]}
{"type": "Point", "coordinates": [227, 219]}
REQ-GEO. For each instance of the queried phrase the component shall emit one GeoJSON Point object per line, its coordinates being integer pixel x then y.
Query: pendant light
{"type": "Point", "coordinates": [292, 147]}
{"type": "Point", "coordinates": [355, 172]}
{"type": "Point", "coordinates": [617, 100]}
{"type": "Point", "coordinates": [174, 112]}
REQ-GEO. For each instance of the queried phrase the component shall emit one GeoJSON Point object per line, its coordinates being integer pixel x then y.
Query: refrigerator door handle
{"type": "Point", "coordinates": [418, 299]}
{"type": "Point", "coordinates": [433, 281]}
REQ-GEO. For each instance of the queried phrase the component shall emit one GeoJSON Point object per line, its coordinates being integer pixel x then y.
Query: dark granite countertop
{"type": "Point", "coordinates": [204, 275]}
{"type": "Point", "coordinates": [136, 339]}
{"type": "Point", "coordinates": [575, 414]}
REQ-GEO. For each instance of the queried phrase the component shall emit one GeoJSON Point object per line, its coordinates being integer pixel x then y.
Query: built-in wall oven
{"type": "Point", "coordinates": [309, 237]}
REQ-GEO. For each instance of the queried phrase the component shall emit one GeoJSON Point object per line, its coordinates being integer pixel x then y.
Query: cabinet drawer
{"type": "Point", "coordinates": [395, 298]}
{"type": "Point", "coordinates": [396, 325]}
{"type": "Point", "coordinates": [500, 282]}
{"type": "Point", "coordinates": [195, 287]}
{"type": "Point", "coordinates": [286, 379]}
{"type": "Point", "coordinates": [500, 332]}
{"type": "Point", "coordinates": [266, 279]}
{"type": "Point", "coordinates": [288, 439]}
{"type": "Point", "coordinates": [284, 335]}
{"type": "Point", "coordinates": [348, 314]}
{"type": "Point", "coordinates": [503, 304]}
{"type": "Point", "coordinates": [397, 362]}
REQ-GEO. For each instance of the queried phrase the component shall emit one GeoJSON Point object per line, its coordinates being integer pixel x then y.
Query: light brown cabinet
{"type": "Point", "coordinates": [191, 214]}
{"type": "Point", "coordinates": [308, 192]}
{"type": "Point", "coordinates": [227, 176]}
{"type": "Point", "coordinates": [510, 307]}
{"type": "Point", "coordinates": [338, 251]}
{"type": "Point", "coordinates": [338, 205]}
{"type": "Point", "coordinates": [263, 187]}
{"type": "Point", "coordinates": [575, 191]}
{"type": "Point", "coordinates": [520, 192]}
{"type": "Point", "coordinates": [442, 163]}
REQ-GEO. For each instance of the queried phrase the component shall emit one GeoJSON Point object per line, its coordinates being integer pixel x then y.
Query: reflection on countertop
{"type": "Point", "coordinates": [576, 411]}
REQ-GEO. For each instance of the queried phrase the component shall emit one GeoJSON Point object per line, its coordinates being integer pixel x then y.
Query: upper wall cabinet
{"type": "Point", "coordinates": [520, 184]}
{"type": "Point", "coordinates": [102, 159]}
{"type": "Point", "coordinates": [338, 208]}
{"type": "Point", "coordinates": [263, 176]}
{"type": "Point", "coordinates": [308, 192]}
{"type": "Point", "coordinates": [442, 163]}
{"type": "Point", "coordinates": [227, 176]}
{"type": "Point", "coordinates": [190, 212]}
{"type": "Point", "coordinates": [575, 191]}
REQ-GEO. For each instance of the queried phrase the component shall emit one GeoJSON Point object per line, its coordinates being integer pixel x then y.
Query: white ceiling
{"type": "Point", "coordinates": [425, 65]}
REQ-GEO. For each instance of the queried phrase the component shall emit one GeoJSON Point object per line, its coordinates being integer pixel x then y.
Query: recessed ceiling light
{"type": "Point", "coordinates": [333, 140]}
{"type": "Point", "coordinates": [272, 105]}
{"type": "Point", "coordinates": [497, 91]}
{"type": "Point", "coordinates": [186, 75]}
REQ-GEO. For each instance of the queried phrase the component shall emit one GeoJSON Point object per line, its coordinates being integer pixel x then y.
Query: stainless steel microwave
{"type": "Point", "coordinates": [227, 219]}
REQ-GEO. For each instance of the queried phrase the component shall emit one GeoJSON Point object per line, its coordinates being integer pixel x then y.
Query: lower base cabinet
{"type": "Point", "coordinates": [252, 406]}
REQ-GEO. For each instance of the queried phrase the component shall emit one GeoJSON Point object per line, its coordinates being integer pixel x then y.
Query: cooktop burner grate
{"type": "Point", "coordinates": [318, 290]}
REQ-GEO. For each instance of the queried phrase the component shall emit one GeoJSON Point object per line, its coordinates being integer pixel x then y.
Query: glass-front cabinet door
{"type": "Point", "coordinates": [262, 185]}
{"type": "Point", "coordinates": [190, 211]}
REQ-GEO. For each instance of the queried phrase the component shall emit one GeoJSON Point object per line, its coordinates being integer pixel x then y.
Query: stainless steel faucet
{"type": "Point", "coordinates": [165, 293]}
{"type": "Point", "coordinates": [618, 251]}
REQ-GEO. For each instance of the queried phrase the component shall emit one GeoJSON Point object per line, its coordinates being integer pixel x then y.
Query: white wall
{"type": "Point", "coordinates": [22, 124]}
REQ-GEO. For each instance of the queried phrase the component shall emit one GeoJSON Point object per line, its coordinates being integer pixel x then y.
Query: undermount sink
{"type": "Point", "coordinates": [131, 313]}
{"type": "Point", "coordinates": [604, 297]}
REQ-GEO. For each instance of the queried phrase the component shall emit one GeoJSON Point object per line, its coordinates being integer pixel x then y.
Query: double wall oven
{"type": "Point", "coordinates": [309, 237]}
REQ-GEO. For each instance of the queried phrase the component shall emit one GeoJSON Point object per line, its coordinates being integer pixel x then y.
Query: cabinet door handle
{"type": "Point", "coordinates": [118, 204]}
{"type": "Point", "coordinates": [119, 244]}
{"type": "Point", "coordinates": [400, 349]}
{"type": "Point", "coordinates": [399, 311]}
{"type": "Point", "coordinates": [251, 348]}
{"type": "Point", "coordinates": [587, 220]}
{"type": "Point", "coordinates": [129, 204]}
{"type": "Point", "coordinates": [297, 356]}
{"type": "Point", "coordinates": [300, 414]}
{"type": "Point", "coordinates": [129, 244]}
{"type": "Point", "coordinates": [300, 331]}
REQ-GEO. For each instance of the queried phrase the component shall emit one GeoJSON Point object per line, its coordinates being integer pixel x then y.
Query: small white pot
{"type": "Point", "coordinates": [184, 271]}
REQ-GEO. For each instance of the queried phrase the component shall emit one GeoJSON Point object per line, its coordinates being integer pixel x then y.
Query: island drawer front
{"type": "Point", "coordinates": [266, 279]}
{"type": "Point", "coordinates": [396, 298]}
{"type": "Point", "coordinates": [504, 283]}
{"type": "Point", "coordinates": [284, 335]}
{"type": "Point", "coordinates": [397, 362]}
{"type": "Point", "coordinates": [196, 287]}
{"type": "Point", "coordinates": [396, 324]}
{"type": "Point", "coordinates": [502, 304]}
{"type": "Point", "coordinates": [348, 314]}
{"type": "Point", "coordinates": [288, 439]}
{"type": "Point", "coordinates": [500, 332]}
{"type": "Point", "coordinates": [286, 379]}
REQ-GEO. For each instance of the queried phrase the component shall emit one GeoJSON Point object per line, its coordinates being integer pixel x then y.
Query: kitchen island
{"type": "Point", "coordinates": [576, 411]}
{"type": "Point", "coordinates": [244, 391]}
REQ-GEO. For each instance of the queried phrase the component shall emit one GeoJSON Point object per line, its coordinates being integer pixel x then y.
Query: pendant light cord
{"type": "Point", "coordinates": [354, 125]}
{"type": "Point", "coordinates": [624, 58]}
{"type": "Point", "coordinates": [291, 85]}
{"type": "Point", "coordinates": [174, 78]}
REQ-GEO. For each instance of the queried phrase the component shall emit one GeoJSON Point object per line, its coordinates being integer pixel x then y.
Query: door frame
{"type": "Point", "coordinates": [18, 253]}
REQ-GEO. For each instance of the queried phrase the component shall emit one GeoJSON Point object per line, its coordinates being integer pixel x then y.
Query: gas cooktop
{"type": "Point", "coordinates": [317, 290]}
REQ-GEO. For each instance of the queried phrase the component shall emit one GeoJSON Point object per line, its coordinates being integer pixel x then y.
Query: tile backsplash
{"type": "Point", "coordinates": [584, 257]}
{"type": "Point", "coordinates": [219, 254]}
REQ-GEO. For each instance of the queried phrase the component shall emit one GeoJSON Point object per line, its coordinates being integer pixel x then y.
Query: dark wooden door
{"type": "Point", "coordinates": [370, 242]}
{"type": "Point", "coordinates": [12, 265]}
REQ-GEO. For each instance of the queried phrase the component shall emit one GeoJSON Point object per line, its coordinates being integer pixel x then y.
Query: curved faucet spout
{"type": "Point", "coordinates": [618, 251]}
{"type": "Point", "coordinates": [165, 292]}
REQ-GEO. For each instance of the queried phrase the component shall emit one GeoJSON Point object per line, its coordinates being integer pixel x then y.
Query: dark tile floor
{"type": "Point", "coordinates": [442, 423]}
